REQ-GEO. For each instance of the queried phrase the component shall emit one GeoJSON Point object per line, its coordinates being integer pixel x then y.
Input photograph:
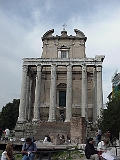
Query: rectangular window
{"type": "Point", "coordinates": [62, 98]}
{"type": "Point", "coordinates": [63, 54]}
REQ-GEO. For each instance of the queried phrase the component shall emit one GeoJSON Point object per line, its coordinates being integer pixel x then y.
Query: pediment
{"type": "Point", "coordinates": [62, 85]}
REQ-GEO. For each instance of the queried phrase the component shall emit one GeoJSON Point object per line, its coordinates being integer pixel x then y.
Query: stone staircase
{"type": "Point", "coordinates": [75, 130]}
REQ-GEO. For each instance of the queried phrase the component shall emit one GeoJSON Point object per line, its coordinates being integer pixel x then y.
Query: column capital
{"type": "Point", "coordinates": [69, 67]}
{"type": "Point", "coordinates": [39, 67]}
{"type": "Point", "coordinates": [25, 68]}
{"type": "Point", "coordinates": [84, 66]}
{"type": "Point", "coordinates": [98, 68]}
{"type": "Point", "coordinates": [53, 64]}
{"type": "Point", "coordinates": [53, 67]}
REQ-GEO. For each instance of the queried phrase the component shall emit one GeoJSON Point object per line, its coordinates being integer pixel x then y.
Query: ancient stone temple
{"type": "Point", "coordinates": [63, 85]}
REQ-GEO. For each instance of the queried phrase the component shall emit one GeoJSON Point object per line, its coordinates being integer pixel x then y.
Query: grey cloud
{"type": "Point", "coordinates": [24, 22]}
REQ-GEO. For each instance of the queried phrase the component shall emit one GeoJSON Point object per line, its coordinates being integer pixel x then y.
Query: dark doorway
{"type": "Point", "coordinates": [62, 98]}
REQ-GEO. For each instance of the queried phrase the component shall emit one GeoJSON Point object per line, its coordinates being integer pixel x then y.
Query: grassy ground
{"type": "Point", "coordinates": [18, 156]}
{"type": "Point", "coordinates": [65, 155]}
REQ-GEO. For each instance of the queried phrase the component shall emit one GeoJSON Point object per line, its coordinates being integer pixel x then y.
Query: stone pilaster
{"type": "Point", "coordinates": [99, 90]}
{"type": "Point", "coordinates": [22, 107]}
{"type": "Point", "coordinates": [37, 95]}
{"type": "Point", "coordinates": [84, 91]}
{"type": "Point", "coordinates": [52, 94]}
{"type": "Point", "coordinates": [69, 94]}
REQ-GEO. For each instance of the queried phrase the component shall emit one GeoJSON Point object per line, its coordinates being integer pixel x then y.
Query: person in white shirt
{"type": "Point", "coordinates": [45, 139]}
{"type": "Point", "coordinates": [8, 153]}
{"type": "Point", "coordinates": [102, 147]}
{"type": "Point", "coordinates": [7, 133]}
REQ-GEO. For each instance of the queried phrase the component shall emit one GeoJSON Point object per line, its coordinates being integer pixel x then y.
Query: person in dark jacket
{"type": "Point", "coordinates": [90, 151]}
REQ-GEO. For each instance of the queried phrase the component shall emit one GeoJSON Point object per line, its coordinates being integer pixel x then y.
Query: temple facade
{"type": "Point", "coordinates": [63, 83]}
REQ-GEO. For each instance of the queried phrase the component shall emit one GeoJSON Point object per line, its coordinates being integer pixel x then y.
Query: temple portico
{"type": "Point", "coordinates": [36, 66]}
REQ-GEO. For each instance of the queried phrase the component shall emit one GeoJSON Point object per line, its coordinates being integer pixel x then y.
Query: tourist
{"type": "Point", "coordinates": [68, 139]}
{"type": "Point", "coordinates": [107, 135]}
{"type": "Point", "coordinates": [102, 147]}
{"type": "Point", "coordinates": [96, 135]}
{"type": "Point", "coordinates": [29, 149]}
{"type": "Point", "coordinates": [99, 135]}
{"type": "Point", "coordinates": [8, 153]}
{"type": "Point", "coordinates": [45, 139]}
{"type": "Point", "coordinates": [63, 138]}
{"type": "Point", "coordinates": [90, 151]}
{"type": "Point", "coordinates": [7, 133]}
{"type": "Point", "coordinates": [103, 153]}
{"type": "Point", "coordinates": [48, 138]}
{"type": "Point", "coordinates": [33, 139]}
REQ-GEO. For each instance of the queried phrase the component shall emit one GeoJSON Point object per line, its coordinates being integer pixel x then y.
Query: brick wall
{"type": "Point", "coordinates": [78, 130]}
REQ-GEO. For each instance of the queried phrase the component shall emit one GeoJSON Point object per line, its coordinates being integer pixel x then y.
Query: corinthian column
{"type": "Point", "coordinates": [30, 99]}
{"type": "Point", "coordinates": [84, 92]}
{"type": "Point", "coordinates": [94, 94]}
{"type": "Point", "coordinates": [99, 90]}
{"type": "Point", "coordinates": [69, 94]}
{"type": "Point", "coordinates": [22, 106]}
{"type": "Point", "coordinates": [37, 95]}
{"type": "Point", "coordinates": [52, 94]}
{"type": "Point", "coordinates": [27, 96]}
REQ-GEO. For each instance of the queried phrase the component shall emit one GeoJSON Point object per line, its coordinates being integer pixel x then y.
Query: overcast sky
{"type": "Point", "coordinates": [23, 23]}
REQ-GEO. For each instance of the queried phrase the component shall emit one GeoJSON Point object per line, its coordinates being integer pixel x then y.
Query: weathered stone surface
{"type": "Point", "coordinates": [61, 85]}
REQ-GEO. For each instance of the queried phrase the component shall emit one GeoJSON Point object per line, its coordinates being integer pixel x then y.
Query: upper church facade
{"type": "Point", "coordinates": [63, 83]}
{"type": "Point", "coordinates": [64, 46]}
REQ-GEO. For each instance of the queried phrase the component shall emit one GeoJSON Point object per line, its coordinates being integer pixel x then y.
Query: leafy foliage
{"type": "Point", "coordinates": [68, 155]}
{"type": "Point", "coordinates": [110, 119]}
{"type": "Point", "coordinates": [9, 114]}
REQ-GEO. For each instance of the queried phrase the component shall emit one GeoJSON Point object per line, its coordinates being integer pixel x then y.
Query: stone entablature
{"type": "Point", "coordinates": [65, 61]}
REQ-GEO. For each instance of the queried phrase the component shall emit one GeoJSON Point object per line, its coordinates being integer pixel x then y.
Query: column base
{"type": "Point", "coordinates": [51, 120]}
{"type": "Point", "coordinates": [21, 120]}
{"type": "Point", "coordinates": [35, 120]}
{"type": "Point", "coordinates": [67, 120]}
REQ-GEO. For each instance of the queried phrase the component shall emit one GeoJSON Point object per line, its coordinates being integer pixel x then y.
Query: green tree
{"type": "Point", "coordinates": [9, 114]}
{"type": "Point", "coordinates": [110, 119]}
